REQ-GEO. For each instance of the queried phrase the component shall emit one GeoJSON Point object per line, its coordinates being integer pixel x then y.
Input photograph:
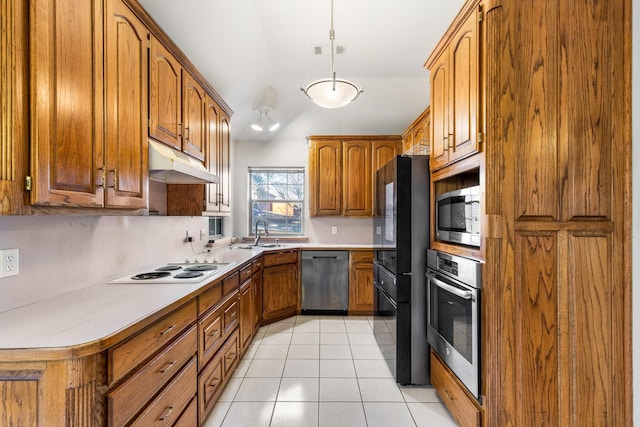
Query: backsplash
{"type": "Point", "coordinates": [60, 254]}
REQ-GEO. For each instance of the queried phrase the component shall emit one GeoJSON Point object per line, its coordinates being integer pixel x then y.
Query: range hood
{"type": "Point", "coordinates": [174, 167]}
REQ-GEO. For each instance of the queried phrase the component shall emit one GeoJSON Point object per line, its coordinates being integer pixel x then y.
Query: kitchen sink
{"type": "Point", "coordinates": [261, 245]}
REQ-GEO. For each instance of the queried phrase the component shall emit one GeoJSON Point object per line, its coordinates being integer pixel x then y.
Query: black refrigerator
{"type": "Point", "coordinates": [401, 240]}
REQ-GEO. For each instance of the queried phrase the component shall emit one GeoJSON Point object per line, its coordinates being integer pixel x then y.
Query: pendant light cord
{"type": "Point", "coordinates": [332, 37]}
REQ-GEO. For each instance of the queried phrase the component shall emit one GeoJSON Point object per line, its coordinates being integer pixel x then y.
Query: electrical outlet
{"type": "Point", "coordinates": [189, 237]}
{"type": "Point", "coordinates": [9, 262]}
{"type": "Point", "coordinates": [334, 229]}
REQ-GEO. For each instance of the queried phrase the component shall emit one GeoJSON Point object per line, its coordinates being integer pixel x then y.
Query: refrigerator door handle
{"type": "Point", "coordinates": [407, 274]}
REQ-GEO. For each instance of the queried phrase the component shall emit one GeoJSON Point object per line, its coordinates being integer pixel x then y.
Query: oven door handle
{"type": "Point", "coordinates": [452, 289]}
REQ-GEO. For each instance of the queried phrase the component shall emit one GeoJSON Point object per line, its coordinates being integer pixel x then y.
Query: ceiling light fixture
{"type": "Point", "coordinates": [332, 92]}
{"type": "Point", "coordinates": [265, 103]}
{"type": "Point", "coordinates": [264, 121]}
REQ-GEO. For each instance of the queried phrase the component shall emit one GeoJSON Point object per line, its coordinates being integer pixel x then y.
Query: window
{"type": "Point", "coordinates": [277, 195]}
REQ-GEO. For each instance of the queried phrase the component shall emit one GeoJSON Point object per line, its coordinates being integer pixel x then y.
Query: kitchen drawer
{"type": "Point", "coordinates": [452, 393]}
{"type": "Point", "coordinates": [257, 265]}
{"type": "Point", "coordinates": [166, 409]}
{"type": "Point", "coordinates": [209, 298]}
{"type": "Point", "coordinates": [278, 258]}
{"type": "Point", "coordinates": [361, 256]}
{"type": "Point", "coordinates": [215, 327]}
{"type": "Point", "coordinates": [230, 283]}
{"type": "Point", "coordinates": [216, 374]}
{"type": "Point", "coordinates": [189, 417]}
{"type": "Point", "coordinates": [126, 356]}
{"type": "Point", "coordinates": [245, 273]}
{"type": "Point", "coordinates": [128, 398]}
{"type": "Point", "coordinates": [231, 354]}
{"type": "Point", "coordinates": [210, 385]}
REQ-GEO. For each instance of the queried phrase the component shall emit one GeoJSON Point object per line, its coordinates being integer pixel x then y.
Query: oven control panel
{"type": "Point", "coordinates": [448, 265]}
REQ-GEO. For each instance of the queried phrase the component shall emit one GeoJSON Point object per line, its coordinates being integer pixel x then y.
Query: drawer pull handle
{"type": "Point", "coordinates": [231, 356]}
{"type": "Point", "coordinates": [166, 331]}
{"type": "Point", "coordinates": [214, 333]}
{"type": "Point", "coordinates": [167, 367]}
{"type": "Point", "coordinates": [166, 414]}
{"type": "Point", "coordinates": [449, 395]}
{"type": "Point", "coordinates": [215, 382]}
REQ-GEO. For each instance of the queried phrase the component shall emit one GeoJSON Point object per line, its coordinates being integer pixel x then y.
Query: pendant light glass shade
{"type": "Point", "coordinates": [332, 92]}
{"type": "Point", "coordinates": [328, 93]}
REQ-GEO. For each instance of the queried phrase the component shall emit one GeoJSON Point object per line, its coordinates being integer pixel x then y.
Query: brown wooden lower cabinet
{"type": "Point", "coordinates": [451, 391]}
{"type": "Point", "coordinates": [361, 282]}
{"type": "Point", "coordinates": [280, 286]}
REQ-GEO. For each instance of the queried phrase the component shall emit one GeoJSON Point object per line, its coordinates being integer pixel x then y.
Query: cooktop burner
{"type": "Point", "coordinates": [169, 268]}
{"type": "Point", "coordinates": [151, 275]}
{"type": "Point", "coordinates": [201, 267]}
{"type": "Point", "coordinates": [189, 274]}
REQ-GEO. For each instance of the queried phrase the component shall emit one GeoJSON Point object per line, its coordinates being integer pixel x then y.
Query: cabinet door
{"type": "Point", "coordinates": [246, 314]}
{"type": "Point", "coordinates": [224, 163]}
{"type": "Point", "coordinates": [165, 102]}
{"type": "Point", "coordinates": [212, 138]}
{"type": "Point", "coordinates": [66, 102]}
{"type": "Point", "coordinates": [126, 155]}
{"type": "Point", "coordinates": [325, 180]}
{"type": "Point", "coordinates": [356, 187]}
{"type": "Point", "coordinates": [193, 107]}
{"type": "Point", "coordinates": [280, 291]}
{"type": "Point", "coordinates": [257, 300]}
{"type": "Point", "coordinates": [361, 282]}
{"type": "Point", "coordinates": [463, 90]}
{"type": "Point", "coordinates": [439, 113]}
{"type": "Point", "coordinates": [382, 152]}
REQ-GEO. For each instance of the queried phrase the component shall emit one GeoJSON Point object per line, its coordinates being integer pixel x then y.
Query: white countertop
{"type": "Point", "coordinates": [98, 312]}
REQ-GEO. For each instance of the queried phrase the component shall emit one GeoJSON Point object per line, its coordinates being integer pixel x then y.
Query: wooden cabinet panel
{"type": "Point", "coordinates": [280, 291]}
{"type": "Point", "coordinates": [439, 113]}
{"type": "Point", "coordinates": [325, 178]}
{"type": "Point", "coordinates": [19, 394]}
{"type": "Point", "coordinates": [382, 152]}
{"type": "Point", "coordinates": [67, 137]}
{"type": "Point", "coordinates": [416, 139]}
{"type": "Point", "coordinates": [189, 417]}
{"type": "Point", "coordinates": [215, 327]}
{"type": "Point", "coordinates": [193, 117]}
{"type": "Point", "coordinates": [126, 156]}
{"type": "Point", "coordinates": [209, 298]}
{"type": "Point", "coordinates": [246, 313]}
{"type": "Point", "coordinates": [172, 401]}
{"type": "Point", "coordinates": [356, 190]}
{"type": "Point", "coordinates": [224, 163]}
{"type": "Point", "coordinates": [279, 258]}
{"type": "Point", "coordinates": [231, 283]}
{"type": "Point", "coordinates": [452, 394]}
{"type": "Point", "coordinates": [463, 90]}
{"type": "Point", "coordinates": [165, 115]}
{"type": "Point", "coordinates": [210, 385]}
{"type": "Point", "coordinates": [127, 399]}
{"type": "Point", "coordinates": [257, 298]}
{"type": "Point", "coordinates": [126, 356]}
{"type": "Point", "coordinates": [360, 282]}
{"type": "Point", "coordinates": [455, 94]}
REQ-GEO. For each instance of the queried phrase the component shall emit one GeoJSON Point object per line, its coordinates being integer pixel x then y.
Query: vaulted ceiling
{"type": "Point", "coordinates": [245, 46]}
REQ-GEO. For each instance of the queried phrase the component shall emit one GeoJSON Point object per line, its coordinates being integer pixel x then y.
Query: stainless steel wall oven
{"type": "Point", "coordinates": [453, 300]}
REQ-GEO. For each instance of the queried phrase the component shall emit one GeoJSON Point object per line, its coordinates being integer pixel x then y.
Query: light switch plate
{"type": "Point", "coordinates": [9, 262]}
{"type": "Point", "coordinates": [334, 229]}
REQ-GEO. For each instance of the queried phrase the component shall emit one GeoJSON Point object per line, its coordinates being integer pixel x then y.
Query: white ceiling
{"type": "Point", "coordinates": [245, 46]}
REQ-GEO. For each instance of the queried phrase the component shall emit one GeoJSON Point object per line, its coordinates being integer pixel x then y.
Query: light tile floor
{"type": "Point", "coordinates": [324, 371]}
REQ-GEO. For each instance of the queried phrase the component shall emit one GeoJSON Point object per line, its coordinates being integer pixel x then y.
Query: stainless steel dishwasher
{"type": "Point", "coordinates": [325, 282]}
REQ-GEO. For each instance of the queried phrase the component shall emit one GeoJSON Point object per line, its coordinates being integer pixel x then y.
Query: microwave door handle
{"type": "Point", "coordinates": [452, 289]}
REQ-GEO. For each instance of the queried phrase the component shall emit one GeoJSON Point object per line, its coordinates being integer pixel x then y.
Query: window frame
{"type": "Point", "coordinates": [251, 201]}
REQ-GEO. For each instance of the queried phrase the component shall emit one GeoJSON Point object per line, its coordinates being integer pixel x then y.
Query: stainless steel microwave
{"type": "Point", "coordinates": [458, 216]}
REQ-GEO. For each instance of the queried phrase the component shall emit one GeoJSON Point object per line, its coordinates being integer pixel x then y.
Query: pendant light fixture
{"type": "Point", "coordinates": [332, 92]}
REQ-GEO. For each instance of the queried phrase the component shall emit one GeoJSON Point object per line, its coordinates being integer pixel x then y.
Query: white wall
{"type": "Point", "coordinates": [289, 153]}
{"type": "Point", "coordinates": [636, 213]}
{"type": "Point", "coordinates": [59, 254]}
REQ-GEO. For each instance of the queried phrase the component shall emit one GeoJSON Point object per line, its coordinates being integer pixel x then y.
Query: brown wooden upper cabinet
{"type": "Point", "coordinates": [417, 138]}
{"type": "Point", "coordinates": [455, 95]}
{"type": "Point", "coordinates": [88, 105]}
{"type": "Point", "coordinates": [341, 172]}
{"type": "Point", "coordinates": [177, 104]}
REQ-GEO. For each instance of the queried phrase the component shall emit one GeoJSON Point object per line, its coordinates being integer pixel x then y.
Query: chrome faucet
{"type": "Point", "coordinates": [266, 231]}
